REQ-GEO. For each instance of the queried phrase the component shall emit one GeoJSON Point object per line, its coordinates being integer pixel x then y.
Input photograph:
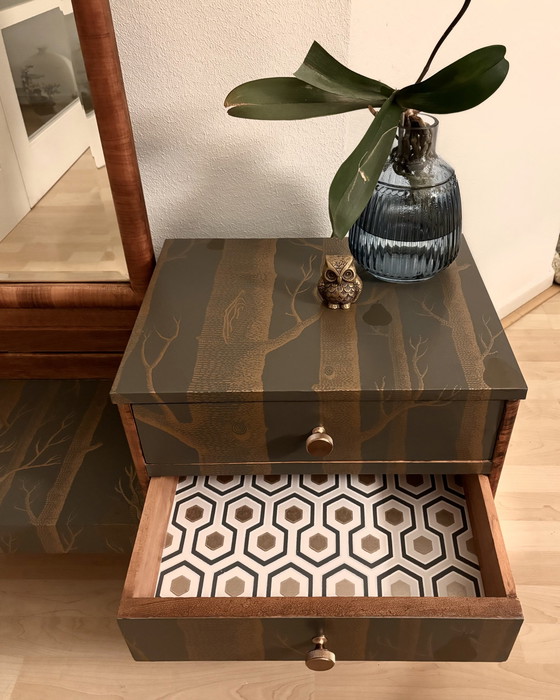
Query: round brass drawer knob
{"type": "Point", "coordinates": [320, 659]}
{"type": "Point", "coordinates": [319, 444]}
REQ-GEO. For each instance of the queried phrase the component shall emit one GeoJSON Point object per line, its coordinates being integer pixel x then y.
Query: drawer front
{"type": "Point", "coordinates": [374, 639]}
{"type": "Point", "coordinates": [160, 622]}
{"type": "Point", "coordinates": [276, 432]}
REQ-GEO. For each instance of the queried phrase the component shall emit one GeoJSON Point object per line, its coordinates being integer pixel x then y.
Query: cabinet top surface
{"type": "Point", "coordinates": [240, 320]}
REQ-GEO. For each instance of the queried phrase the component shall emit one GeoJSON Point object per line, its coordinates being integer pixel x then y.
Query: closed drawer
{"type": "Point", "coordinates": [385, 567]}
{"type": "Point", "coordinates": [205, 434]}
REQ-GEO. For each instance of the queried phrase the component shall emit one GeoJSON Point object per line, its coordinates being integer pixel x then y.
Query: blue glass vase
{"type": "Point", "coordinates": [411, 228]}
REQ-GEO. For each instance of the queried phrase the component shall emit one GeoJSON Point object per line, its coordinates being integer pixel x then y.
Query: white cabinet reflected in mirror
{"type": "Point", "coordinates": [57, 218]}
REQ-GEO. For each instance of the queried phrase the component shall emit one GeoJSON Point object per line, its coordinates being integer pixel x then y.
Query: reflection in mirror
{"type": "Point", "coordinates": [57, 219]}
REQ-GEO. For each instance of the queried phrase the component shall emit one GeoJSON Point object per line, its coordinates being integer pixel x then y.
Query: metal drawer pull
{"type": "Point", "coordinates": [319, 444]}
{"type": "Point", "coordinates": [320, 659]}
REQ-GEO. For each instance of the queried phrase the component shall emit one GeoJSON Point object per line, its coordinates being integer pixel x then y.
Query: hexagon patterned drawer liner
{"type": "Point", "coordinates": [319, 535]}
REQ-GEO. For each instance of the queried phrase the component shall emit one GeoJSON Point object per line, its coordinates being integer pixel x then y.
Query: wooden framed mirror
{"type": "Point", "coordinates": [80, 329]}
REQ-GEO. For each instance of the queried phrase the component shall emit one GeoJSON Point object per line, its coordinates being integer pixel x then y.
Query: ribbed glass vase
{"type": "Point", "coordinates": [411, 228]}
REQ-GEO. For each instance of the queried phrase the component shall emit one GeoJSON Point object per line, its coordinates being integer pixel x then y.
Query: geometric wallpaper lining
{"type": "Point", "coordinates": [319, 535]}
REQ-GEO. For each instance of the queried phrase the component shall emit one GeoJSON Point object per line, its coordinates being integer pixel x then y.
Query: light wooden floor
{"type": "Point", "coordinates": [70, 235]}
{"type": "Point", "coordinates": [59, 639]}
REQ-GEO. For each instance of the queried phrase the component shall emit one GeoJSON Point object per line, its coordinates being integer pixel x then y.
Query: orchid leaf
{"type": "Point", "coordinates": [287, 98]}
{"type": "Point", "coordinates": [461, 85]}
{"type": "Point", "coordinates": [323, 71]}
{"type": "Point", "coordinates": [356, 178]}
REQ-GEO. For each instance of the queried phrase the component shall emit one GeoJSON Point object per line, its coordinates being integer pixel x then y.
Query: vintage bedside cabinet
{"type": "Point", "coordinates": [319, 482]}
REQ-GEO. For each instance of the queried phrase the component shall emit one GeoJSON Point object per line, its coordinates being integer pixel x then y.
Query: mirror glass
{"type": "Point", "coordinates": [57, 219]}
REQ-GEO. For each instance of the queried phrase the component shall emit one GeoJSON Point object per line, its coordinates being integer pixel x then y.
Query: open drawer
{"type": "Point", "coordinates": [409, 567]}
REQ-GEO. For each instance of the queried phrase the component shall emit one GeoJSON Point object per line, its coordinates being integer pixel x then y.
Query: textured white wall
{"type": "Point", "coordinates": [207, 174]}
{"type": "Point", "coordinates": [505, 160]}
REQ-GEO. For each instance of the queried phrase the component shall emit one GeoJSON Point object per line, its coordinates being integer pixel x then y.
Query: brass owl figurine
{"type": "Point", "coordinates": [339, 285]}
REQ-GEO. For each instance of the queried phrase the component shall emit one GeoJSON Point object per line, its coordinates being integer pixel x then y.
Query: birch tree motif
{"type": "Point", "coordinates": [408, 369]}
{"type": "Point", "coordinates": [50, 531]}
{"type": "Point", "coordinates": [394, 414]}
{"type": "Point", "coordinates": [129, 491]}
{"type": "Point", "coordinates": [137, 337]}
{"type": "Point", "coordinates": [51, 441]}
{"type": "Point", "coordinates": [23, 450]}
{"type": "Point", "coordinates": [237, 337]}
{"type": "Point", "coordinates": [472, 348]}
{"type": "Point", "coordinates": [67, 533]}
{"type": "Point", "coordinates": [339, 341]}
{"type": "Point", "coordinates": [232, 349]}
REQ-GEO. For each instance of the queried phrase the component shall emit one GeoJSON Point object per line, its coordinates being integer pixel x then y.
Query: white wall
{"type": "Point", "coordinates": [206, 174]}
{"type": "Point", "coordinates": [502, 150]}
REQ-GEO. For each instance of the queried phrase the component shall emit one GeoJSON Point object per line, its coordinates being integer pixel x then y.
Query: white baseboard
{"type": "Point", "coordinates": [525, 295]}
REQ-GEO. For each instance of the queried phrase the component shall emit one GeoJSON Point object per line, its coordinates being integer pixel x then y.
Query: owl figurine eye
{"type": "Point", "coordinates": [330, 275]}
{"type": "Point", "coordinates": [348, 275]}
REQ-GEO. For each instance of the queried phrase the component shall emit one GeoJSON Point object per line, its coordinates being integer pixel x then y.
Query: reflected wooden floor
{"type": "Point", "coordinates": [59, 639]}
{"type": "Point", "coordinates": [71, 235]}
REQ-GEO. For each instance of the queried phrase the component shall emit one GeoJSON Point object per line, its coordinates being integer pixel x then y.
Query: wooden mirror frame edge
{"type": "Point", "coordinates": [81, 328]}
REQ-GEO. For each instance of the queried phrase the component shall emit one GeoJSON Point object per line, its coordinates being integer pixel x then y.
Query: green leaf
{"type": "Point", "coordinates": [323, 71]}
{"type": "Point", "coordinates": [461, 85]}
{"type": "Point", "coordinates": [286, 98]}
{"type": "Point", "coordinates": [356, 178]}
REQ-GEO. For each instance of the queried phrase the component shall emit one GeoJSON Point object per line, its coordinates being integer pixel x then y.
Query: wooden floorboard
{"type": "Point", "coordinates": [70, 235]}
{"type": "Point", "coordinates": [59, 639]}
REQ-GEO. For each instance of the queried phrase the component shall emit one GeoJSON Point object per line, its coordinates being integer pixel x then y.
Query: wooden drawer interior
{"type": "Point", "coordinates": [253, 567]}
{"type": "Point", "coordinates": [233, 434]}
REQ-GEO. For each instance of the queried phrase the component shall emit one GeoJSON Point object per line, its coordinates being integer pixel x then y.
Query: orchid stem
{"type": "Point", "coordinates": [444, 36]}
